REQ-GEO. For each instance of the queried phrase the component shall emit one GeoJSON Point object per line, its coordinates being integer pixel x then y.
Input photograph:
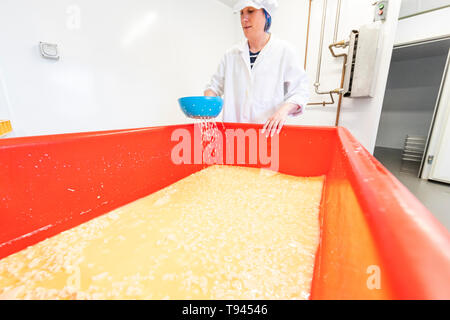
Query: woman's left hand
{"type": "Point", "coordinates": [277, 120]}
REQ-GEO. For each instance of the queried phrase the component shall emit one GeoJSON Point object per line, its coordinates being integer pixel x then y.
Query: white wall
{"type": "Point", "coordinates": [424, 26]}
{"type": "Point", "coordinates": [410, 7]}
{"type": "Point", "coordinates": [395, 125]}
{"type": "Point", "coordinates": [360, 116]}
{"type": "Point", "coordinates": [130, 60]}
{"type": "Point", "coordinates": [124, 66]}
{"type": "Point", "coordinates": [5, 112]}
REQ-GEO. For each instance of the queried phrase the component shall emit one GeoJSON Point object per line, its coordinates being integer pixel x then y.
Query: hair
{"type": "Point", "coordinates": [268, 21]}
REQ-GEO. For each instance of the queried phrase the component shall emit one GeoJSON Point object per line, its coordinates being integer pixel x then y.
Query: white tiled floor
{"type": "Point", "coordinates": [434, 195]}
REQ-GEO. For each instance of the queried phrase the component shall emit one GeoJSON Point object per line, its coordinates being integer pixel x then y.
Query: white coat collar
{"type": "Point", "coordinates": [244, 51]}
{"type": "Point", "coordinates": [244, 47]}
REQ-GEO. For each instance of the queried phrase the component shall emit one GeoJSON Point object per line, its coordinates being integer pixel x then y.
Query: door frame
{"type": "Point", "coordinates": [425, 168]}
{"type": "Point", "coordinates": [437, 125]}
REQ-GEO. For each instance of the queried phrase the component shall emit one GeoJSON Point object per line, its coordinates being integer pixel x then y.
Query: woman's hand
{"type": "Point", "coordinates": [277, 120]}
{"type": "Point", "coordinates": [209, 93]}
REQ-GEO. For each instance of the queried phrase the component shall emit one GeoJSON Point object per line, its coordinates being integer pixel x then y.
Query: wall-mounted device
{"type": "Point", "coordinates": [361, 66]}
{"type": "Point", "coordinates": [49, 50]}
{"type": "Point", "coordinates": [381, 8]}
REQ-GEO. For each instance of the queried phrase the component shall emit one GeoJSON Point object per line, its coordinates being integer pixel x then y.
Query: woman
{"type": "Point", "coordinates": [261, 79]}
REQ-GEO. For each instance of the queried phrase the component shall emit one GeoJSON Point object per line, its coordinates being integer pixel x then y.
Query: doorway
{"type": "Point", "coordinates": [408, 120]}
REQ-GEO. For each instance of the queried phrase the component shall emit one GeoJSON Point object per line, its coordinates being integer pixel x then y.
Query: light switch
{"type": "Point", "coordinates": [49, 50]}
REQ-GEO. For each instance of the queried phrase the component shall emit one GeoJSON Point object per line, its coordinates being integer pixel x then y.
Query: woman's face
{"type": "Point", "coordinates": [253, 22]}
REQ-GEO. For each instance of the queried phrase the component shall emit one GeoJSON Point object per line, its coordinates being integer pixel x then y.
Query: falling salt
{"type": "Point", "coordinates": [209, 140]}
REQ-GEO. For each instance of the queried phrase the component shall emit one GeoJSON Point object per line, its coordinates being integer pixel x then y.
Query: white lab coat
{"type": "Point", "coordinates": [253, 95]}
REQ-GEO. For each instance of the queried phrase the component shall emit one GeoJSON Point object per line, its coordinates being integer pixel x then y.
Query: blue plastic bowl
{"type": "Point", "coordinates": [201, 107]}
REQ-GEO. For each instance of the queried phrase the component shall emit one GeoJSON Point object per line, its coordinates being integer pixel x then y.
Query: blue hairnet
{"type": "Point", "coordinates": [268, 21]}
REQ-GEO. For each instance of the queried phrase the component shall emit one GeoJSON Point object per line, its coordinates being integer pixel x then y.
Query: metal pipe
{"type": "Point", "coordinates": [336, 24]}
{"type": "Point", "coordinates": [341, 44]}
{"type": "Point", "coordinates": [338, 111]}
{"type": "Point", "coordinates": [307, 34]}
{"type": "Point", "coordinates": [323, 103]}
{"type": "Point", "coordinates": [322, 32]}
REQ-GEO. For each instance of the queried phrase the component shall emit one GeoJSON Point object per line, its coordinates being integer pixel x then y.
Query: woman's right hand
{"type": "Point", "coordinates": [209, 93]}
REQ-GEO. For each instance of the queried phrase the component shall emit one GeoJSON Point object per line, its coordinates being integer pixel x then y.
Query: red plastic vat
{"type": "Point", "coordinates": [369, 220]}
